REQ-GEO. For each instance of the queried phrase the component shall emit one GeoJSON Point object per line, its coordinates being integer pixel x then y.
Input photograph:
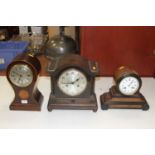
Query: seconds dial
{"type": "Point", "coordinates": [129, 85]}
{"type": "Point", "coordinates": [21, 75]}
{"type": "Point", "coordinates": [72, 82]}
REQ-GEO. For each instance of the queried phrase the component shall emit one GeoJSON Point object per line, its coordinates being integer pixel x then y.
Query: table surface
{"type": "Point", "coordinates": [112, 118]}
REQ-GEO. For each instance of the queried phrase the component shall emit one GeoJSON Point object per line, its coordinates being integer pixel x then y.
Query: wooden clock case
{"type": "Point", "coordinates": [114, 99]}
{"type": "Point", "coordinates": [31, 94]}
{"type": "Point", "coordinates": [86, 100]}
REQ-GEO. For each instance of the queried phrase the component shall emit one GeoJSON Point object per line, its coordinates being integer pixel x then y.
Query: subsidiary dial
{"type": "Point", "coordinates": [72, 82]}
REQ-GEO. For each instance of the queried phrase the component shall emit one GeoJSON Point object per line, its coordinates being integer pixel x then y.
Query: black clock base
{"type": "Point", "coordinates": [74, 104]}
{"type": "Point", "coordinates": [34, 105]}
{"type": "Point", "coordinates": [114, 100]}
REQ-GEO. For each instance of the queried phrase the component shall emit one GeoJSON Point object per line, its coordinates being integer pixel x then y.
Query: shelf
{"type": "Point", "coordinates": [77, 118]}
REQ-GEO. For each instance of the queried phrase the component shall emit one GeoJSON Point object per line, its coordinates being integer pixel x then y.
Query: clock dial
{"type": "Point", "coordinates": [72, 82]}
{"type": "Point", "coordinates": [21, 75]}
{"type": "Point", "coordinates": [129, 85]}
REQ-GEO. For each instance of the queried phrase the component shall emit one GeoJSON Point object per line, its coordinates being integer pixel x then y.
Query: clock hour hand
{"type": "Point", "coordinates": [20, 76]}
{"type": "Point", "coordinates": [130, 84]}
{"type": "Point", "coordinates": [76, 80]}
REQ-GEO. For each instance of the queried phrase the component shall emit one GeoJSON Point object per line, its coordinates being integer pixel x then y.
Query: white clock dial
{"type": "Point", "coordinates": [21, 75]}
{"type": "Point", "coordinates": [129, 85]}
{"type": "Point", "coordinates": [72, 82]}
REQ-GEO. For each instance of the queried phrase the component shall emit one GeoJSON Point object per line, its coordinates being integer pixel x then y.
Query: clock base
{"type": "Point", "coordinates": [73, 103]}
{"type": "Point", "coordinates": [33, 103]}
{"type": "Point", "coordinates": [114, 100]}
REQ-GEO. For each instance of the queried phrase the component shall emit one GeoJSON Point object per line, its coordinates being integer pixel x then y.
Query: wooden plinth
{"type": "Point", "coordinates": [74, 104]}
{"type": "Point", "coordinates": [114, 100]}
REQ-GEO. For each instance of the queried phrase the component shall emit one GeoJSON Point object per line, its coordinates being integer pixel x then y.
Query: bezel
{"type": "Point", "coordinates": [34, 72]}
{"type": "Point", "coordinates": [23, 65]}
{"type": "Point", "coordinates": [129, 75]}
{"type": "Point", "coordinates": [77, 70]}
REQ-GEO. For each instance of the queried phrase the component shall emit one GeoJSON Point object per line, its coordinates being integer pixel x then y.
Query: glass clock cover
{"type": "Point", "coordinates": [72, 82]}
{"type": "Point", "coordinates": [21, 75]}
{"type": "Point", "coordinates": [129, 85]}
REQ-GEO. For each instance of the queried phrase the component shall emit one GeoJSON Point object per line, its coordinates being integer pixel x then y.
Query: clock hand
{"type": "Point", "coordinates": [130, 84]}
{"type": "Point", "coordinates": [20, 76]}
{"type": "Point", "coordinates": [76, 80]}
{"type": "Point", "coordinates": [66, 83]}
{"type": "Point", "coordinates": [16, 73]}
{"type": "Point", "coordinates": [71, 82]}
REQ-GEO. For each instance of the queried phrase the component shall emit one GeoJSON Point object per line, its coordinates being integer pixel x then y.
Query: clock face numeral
{"type": "Point", "coordinates": [129, 85]}
{"type": "Point", "coordinates": [72, 82]}
{"type": "Point", "coordinates": [21, 75]}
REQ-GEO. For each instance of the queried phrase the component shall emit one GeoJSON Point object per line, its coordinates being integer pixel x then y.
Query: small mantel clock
{"type": "Point", "coordinates": [126, 93]}
{"type": "Point", "coordinates": [72, 83]}
{"type": "Point", "coordinates": [22, 73]}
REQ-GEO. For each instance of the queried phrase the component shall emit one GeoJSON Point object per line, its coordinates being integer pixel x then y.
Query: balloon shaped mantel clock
{"type": "Point", "coordinates": [126, 93]}
{"type": "Point", "coordinates": [22, 74]}
{"type": "Point", "coordinates": [72, 79]}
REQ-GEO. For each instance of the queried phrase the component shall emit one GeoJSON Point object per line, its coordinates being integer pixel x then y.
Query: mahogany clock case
{"type": "Point", "coordinates": [116, 100]}
{"type": "Point", "coordinates": [30, 93]}
{"type": "Point", "coordinates": [123, 72]}
{"type": "Point", "coordinates": [87, 99]}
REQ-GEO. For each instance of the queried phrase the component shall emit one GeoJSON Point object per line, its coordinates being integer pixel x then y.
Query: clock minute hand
{"type": "Point", "coordinates": [66, 82]}
{"type": "Point", "coordinates": [16, 73]}
{"type": "Point", "coordinates": [70, 82]}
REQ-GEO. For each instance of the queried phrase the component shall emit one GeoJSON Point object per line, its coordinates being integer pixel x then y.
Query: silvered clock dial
{"type": "Point", "coordinates": [21, 75]}
{"type": "Point", "coordinates": [72, 82]}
